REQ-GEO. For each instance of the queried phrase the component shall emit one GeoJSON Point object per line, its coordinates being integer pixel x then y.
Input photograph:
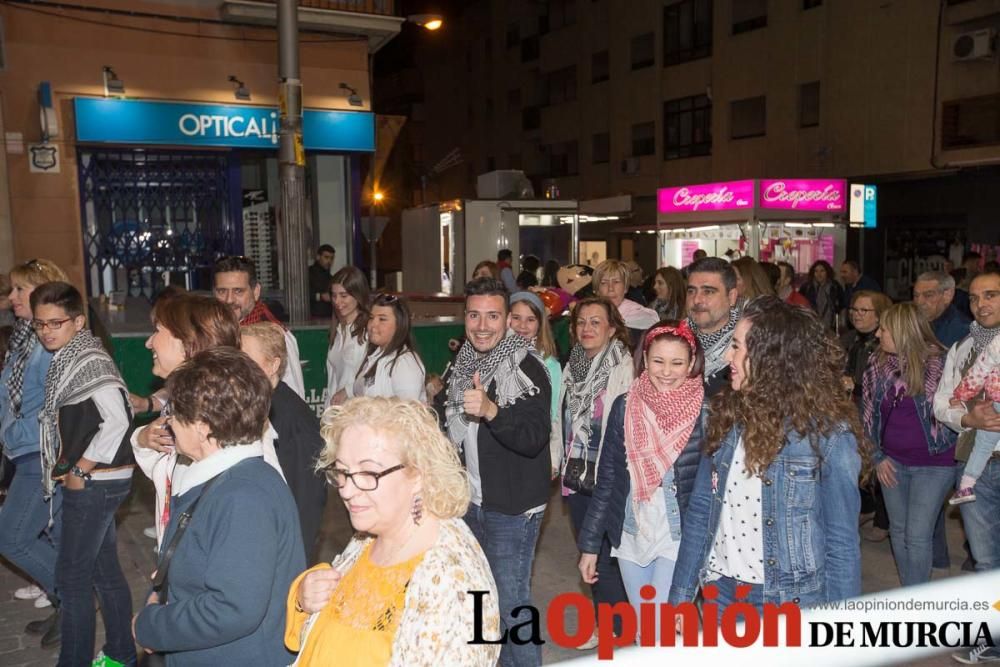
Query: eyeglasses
{"type": "Point", "coordinates": [55, 325]}
{"type": "Point", "coordinates": [364, 480]}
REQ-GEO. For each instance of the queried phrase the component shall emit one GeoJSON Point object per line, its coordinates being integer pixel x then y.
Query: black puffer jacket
{"type": "Point", "coordinates": [607, 506]}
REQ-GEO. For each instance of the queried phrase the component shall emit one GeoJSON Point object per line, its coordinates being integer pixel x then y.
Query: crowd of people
{"type": "Point", "coordinates": [713, 424]}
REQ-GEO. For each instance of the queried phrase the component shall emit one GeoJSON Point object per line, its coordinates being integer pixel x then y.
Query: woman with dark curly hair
{"type": "Point", "coordinates": [825, 294]}
{"type": "Point", "coordinates": [775, 502]}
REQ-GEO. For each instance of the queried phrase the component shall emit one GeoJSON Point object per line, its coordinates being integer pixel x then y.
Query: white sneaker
{"type": "Point", "coordinates": [28, 593]}
{"type": "Point", "coordinates": [150, 532]}
{"type": "Point", "coordinates": [42, 601]}
{"type": "Point", "coordinates": [978, 655]}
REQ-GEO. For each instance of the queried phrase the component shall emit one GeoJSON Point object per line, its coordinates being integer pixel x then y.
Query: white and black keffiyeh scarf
{"type": "Point", "coordinates": [714, 344]}
{"type": "Point", "coordinates": [77, 370]}
{"type": "Point", "coordinates": [22, 343]}
{"type": "Point", "coordinates": [981, 337]}
{"type": "Point", "coordinates": [585, 378]}
{"type": "Point", "coordinates": [501, 364]}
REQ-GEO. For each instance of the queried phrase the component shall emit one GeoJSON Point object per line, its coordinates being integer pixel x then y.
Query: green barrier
{"type": "Point", "coordinates": [136, 362]}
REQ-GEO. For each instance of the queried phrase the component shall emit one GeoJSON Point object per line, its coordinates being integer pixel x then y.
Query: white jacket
{"type": "Point", "coordinates": [619, 382]}
{"type": "Point", "coordinates": [406, 380]}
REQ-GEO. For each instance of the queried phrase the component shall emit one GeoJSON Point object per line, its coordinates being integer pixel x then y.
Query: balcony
{"type": "Point", "coordinates": [373, 19]}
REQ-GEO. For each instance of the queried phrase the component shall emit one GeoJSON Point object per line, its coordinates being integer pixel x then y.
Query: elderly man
{"type": "Point", "coordinates": [234, 282]}
{"type": "Point", "coordinates": [981, 518]}
{"type": "Point", "coordinates": [498, 415]}
{"type": "Point", "coordinates": [934, 293]}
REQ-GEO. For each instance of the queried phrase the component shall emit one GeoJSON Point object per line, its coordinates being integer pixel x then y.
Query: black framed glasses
{"type": "Point", "coordinates": [364, 480]}
{"type": "Point", "coordinates": [55, 325]}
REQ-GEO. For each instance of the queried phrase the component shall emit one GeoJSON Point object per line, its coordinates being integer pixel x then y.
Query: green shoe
{"type": "Point", "coordinates": [104, 661]}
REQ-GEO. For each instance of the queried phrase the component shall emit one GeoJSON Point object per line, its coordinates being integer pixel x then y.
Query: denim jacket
{"type": "Point", "coordinates": [812, 552]}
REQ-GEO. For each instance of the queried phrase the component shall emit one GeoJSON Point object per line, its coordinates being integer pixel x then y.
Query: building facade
{"type": "Point", "coordinates": [138, 134]}
{"type": "Point", "coordinates": [604, 98]}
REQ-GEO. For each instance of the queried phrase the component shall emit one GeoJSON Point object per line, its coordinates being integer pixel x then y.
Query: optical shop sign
{"type": "Point", "coordinates": [216, 125]}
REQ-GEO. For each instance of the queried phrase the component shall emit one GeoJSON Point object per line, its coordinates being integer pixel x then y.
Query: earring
{"type": "Point", "coordinates": [417, 511]}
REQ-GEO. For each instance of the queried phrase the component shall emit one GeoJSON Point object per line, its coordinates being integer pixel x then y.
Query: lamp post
{"type": "Point", "coordinates": [291, 159]}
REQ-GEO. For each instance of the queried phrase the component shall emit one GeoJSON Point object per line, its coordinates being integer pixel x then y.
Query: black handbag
{"type": "Point", "coordinates": [580, 475]}
{"type": "Point", "coordinates": [160, 580]}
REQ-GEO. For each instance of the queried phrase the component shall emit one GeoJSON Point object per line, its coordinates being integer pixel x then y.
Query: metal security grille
{"type": "Point", "coordinates": [154, 217]}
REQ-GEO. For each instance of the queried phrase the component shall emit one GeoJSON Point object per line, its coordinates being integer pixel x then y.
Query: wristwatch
{"type": "Point", "coordinates": [77, 471]}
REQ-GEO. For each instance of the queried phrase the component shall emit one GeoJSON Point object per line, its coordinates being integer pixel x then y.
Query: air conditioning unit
{"type": "Point", "coordinates": [630, 166]}
{"type": "Point", "coordinates": [975, 45]}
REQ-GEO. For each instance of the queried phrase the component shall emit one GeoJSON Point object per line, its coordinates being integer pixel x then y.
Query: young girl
{"type": "Point", "coordinates": [984, 376]}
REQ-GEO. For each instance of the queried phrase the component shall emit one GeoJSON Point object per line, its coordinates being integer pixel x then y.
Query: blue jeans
{"type": "Point", "coordinates": [982, 518]}
{"type": "Point", "coordinates": [986, 442]}
{"type": "Point", "coordinates": [88, 561]}
{"type": "Point", "coordinates": [913, 505]}
{"type": "Point", "coordinates": [509, 543]}
{"type": "Point", "coordinates": [658, 574]}
{"type": "Point", "coordinates": [25, 537]}
{"type": "Point", "coordinates": [726, 587]}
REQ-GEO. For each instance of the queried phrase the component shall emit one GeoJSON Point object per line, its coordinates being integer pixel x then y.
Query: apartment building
{"type": "Point", "coordinates": [603, 97]}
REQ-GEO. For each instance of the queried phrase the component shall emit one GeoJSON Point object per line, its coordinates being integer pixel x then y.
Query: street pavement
{"type": "Point", "coordinates": [555, 572]}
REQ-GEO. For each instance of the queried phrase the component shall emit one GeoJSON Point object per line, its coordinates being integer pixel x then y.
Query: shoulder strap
{"type": "Point", "coordinates": [160, 578]}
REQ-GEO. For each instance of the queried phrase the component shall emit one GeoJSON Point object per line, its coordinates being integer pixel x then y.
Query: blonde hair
{"type": "Point", "coordinates": [610, 266]}
{"type": "Point", "coordinates": [37, 272]}
{"type": "Point", "coordinates": [915, 343]}
{"type": "Point", "coordinates": [271, 338]}
{"type": "Point", "coordinates": [419, 442]}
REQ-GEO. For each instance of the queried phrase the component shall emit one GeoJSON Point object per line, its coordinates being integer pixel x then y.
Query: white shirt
{"type": "Point", "coordinates": [738, 550]}
{"type": "Point", "coordinates": [405, 380]}
{"type": "Point", "coordinates": [293, 370]}
{"type": "Point", "coordinates": [343, 361]}
{"type": "Point", "coordinates": [103, 447]}
{"type": "Point", "coordinates": [653, 540]}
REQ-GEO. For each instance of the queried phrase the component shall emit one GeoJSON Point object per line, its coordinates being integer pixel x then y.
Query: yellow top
{"type": "Point", "coordinates": [358, 625]}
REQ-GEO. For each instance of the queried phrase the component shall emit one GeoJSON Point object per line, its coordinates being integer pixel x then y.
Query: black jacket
{"type": "Point", "coordinates": [298, 446]}
{"type": "Point", "coordinates": [606, 513]}
{"type": "Point", "coordinates": [78, 426]}
{"type": "Point", "coordinates": [319, 283]}
{"type": "Point", "coordinates": [514, 461]}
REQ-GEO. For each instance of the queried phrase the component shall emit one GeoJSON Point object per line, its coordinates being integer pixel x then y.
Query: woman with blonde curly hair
{"type": "Point", "coordinates": [398, 594]}
{"type": "Point", "coordinates": [775, 502]}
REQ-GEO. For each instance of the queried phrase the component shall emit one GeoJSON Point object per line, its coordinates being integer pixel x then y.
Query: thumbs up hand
{"type": "Point", "coordinates": [476, 401]}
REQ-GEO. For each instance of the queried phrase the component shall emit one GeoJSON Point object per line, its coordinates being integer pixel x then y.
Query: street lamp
{"type": "Point", "coordinates": [430, 22]}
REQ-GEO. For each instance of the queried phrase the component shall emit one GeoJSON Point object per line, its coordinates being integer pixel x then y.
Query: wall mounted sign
{"type": "Point", "coordinates": [728, 196]}
{"type": "Point", "coordinates": [146, 122]}
{"type": "Point", "coordinates": [804, 194]}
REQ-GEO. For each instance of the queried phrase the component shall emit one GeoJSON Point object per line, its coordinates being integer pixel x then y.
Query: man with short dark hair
{"type": "Point", "coordinates": [981, 519]}
{"type": "Point", "coordinates": [855, 281]}
{"type": "Point", "coordinates": [234, 282]}
{"type": "Point", "coordinates": [320, 301]}
{"type": "Point", "coordinates": [505, 262]}
{"type": "Point", "coordinates": [498, 415]}
{"type": "Point", "coordinates": [713, 313]}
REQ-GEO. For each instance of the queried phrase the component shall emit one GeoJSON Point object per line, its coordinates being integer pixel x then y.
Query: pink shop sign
{"type": "Point", "coordinates": [804, 194]}
{"type": "Point", "coordinates": [729, 196]}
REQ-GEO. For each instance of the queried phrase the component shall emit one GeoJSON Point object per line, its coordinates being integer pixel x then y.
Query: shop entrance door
{"type": "Point", "coordinates": [154, 217]}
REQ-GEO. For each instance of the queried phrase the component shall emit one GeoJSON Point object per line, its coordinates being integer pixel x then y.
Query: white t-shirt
{"type": "Point", "coordinates": [343, 361]}
{"type": "Point", "coordinates": [653, 539]}
{"type": "Point", "coordinates": [404, 379]}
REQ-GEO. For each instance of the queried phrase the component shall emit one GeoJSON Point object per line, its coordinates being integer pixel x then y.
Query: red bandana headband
{"type": "Point", "coordinates": [682, 330]}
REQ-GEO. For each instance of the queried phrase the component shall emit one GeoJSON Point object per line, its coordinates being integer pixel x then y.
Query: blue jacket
{"type": "Point", "coordinates": [229, 578]}
{"type": "Point", "coordinates": [610, 510]}
{"type": "Point", "coordinates": [20, 436]}
{"type": "Point", "coordinates": [812, 552]}
{"type": "Point", "coordinates": [951, 326]}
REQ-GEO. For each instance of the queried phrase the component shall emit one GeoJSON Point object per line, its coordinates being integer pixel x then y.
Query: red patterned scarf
{"type": "Point", "coordinates": [261, 313]}
{"type": "Point", "coordinates": [657, 428]}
